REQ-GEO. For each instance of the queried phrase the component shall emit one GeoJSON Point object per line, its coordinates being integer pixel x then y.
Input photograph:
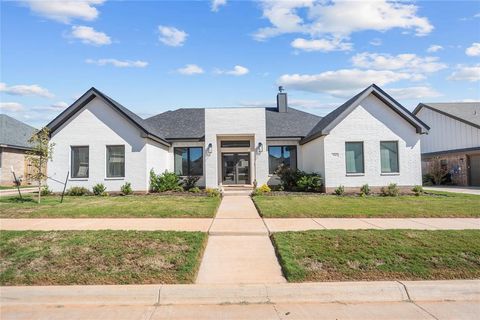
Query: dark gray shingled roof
{"type": "Point", "coordinates": [328, 122]}
{"type": "Point", "coordinates": [89, 96]}
{"type": "Point", "coordinates": [180, 124]}
{"type": "Point", "coordinates": [293, 123]}
{"type": "Point", "coordinates": [14, 133]}
{"type": "Point", "coordinates": [467, 112]}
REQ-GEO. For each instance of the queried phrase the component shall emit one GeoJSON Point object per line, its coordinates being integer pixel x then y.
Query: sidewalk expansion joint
{"type": "Point", "coordinates": [367, 222]}
{"type": "Point", "coordinates": [413, 302]}
{"type": "Point", "coordinates": [321, 225]}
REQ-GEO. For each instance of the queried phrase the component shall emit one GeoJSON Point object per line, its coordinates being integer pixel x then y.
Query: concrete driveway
{"type": "Point", "coordinates": [467, 190]}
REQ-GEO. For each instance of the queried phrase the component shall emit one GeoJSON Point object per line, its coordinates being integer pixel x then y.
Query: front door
{"type": "Point", "coordinates": [475, 170]}
{"type": "Point", "coordinates": [236, 168]}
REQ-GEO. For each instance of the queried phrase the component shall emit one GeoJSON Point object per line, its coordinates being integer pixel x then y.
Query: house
{"type": "Point", "coordinates": [369, 139]}
{"type": "Point", "coordinates": [14, 136]}
{"type": "Point", "coordinates": [454, 140]}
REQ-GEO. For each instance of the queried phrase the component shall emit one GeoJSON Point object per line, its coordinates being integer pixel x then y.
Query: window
{"type": "Point", "coordinates": [115, 161]}
{"type": "Point", "coordinates": [282, 156]}
{"type": "Point", "coordinates": [354, 157]}
{"type": "Point", "coordinates": [79, 162]}
{"type": "Point", "coordinates": [235, 144]}
{"type": "Point", "coordinates": [389, 156]}
{"type": "Point", "coordinates": [189, 161]}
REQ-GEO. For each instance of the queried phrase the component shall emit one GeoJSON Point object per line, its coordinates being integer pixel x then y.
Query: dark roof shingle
{"type": "Point", "coordinates": [14, 133]}
{"type": "Point", "coordinates": [181, 123]}
{"type": "Point", "coordinates": [293, 123]}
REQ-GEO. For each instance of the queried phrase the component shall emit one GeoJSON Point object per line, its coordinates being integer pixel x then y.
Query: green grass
{"type": "Point", "coordinates": [137, 206]}
{"type": "Point", "coordinates": [438, 204]}
{"type": "Point", "coordinates": [15, 188]}
{"type": "Point", "coordinates": [339, 255]}
{"type": "Point", "coordinates": [99, 257]}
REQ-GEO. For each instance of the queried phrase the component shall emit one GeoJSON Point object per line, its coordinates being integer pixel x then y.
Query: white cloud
{"type": "Point", "coordinates": [118, 63]}
{"type": "Point", "coordinates": [339, 18]}
{"type": "Point", "coordinates": [414, 93]}
{"type": "Point", "coordinates": [236, 71]}
{"type": "Point", "coordinates": [473, 50]}
{"type": "Point", "coordinates": [11, 106]}
{"type": "Point", "coordinates": [466, 73]}
{"type": "Point", "coordinates": [65, 10]}
{"type": "Point", "coordinates": [25, 90]}
{"type": "Point", "coordinates": [434, 48]}
{"type": "Point", "coordinates": [190, 69]}
{"type": "Point", "coordinates": [376, 42]}
{"type": "Point", "coordinates": [88, 35]}
{"type": "Point", "coordinates": [406, 62]}
{"type": "Point", "coordinates": [342, 83]}
{"type": "Point", "coordinates": [57, 106]}
{"type": "Point", "coordinates": [323, 45]}
{"type": "Point", "coordinates": [216, 4]}
{"type": "Point", "coordinates": [172, 36]}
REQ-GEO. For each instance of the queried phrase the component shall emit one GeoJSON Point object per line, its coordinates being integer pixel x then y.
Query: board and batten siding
{"type": "Point", "coordinates": [97, 125]}
{"type": "Point", "coordinates": [371, 122]}
{"type": "Point", "coordinates": [447, 133]}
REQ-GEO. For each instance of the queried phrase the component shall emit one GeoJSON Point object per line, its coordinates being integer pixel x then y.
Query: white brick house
{"type": "Point", "coordinates": [369, 139]}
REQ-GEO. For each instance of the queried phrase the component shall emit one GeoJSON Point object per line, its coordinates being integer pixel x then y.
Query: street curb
{"type": "Point", "coordinates": [190, 294]}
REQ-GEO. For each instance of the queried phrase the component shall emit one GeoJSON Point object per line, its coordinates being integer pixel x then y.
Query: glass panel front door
{"type": "Point", "coordinates": [236, 168]}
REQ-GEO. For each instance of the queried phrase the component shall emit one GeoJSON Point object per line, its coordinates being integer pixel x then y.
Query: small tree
{"type": "Point", "coordinates": [437, 171]}
{"type": "Point", "coordinates": [41, 152]}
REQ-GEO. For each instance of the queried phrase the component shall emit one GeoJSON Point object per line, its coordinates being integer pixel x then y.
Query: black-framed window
{"type": "Point", "coordinates": [354, 157]}
{"type": "Point", "coordinates": [115, 161]}
{"type": "Point", "coordinates": [281, 156]}
{"type": "Point", "coordinates": [235, 144]}
{"type": "Point", "coordinates": [79, 162]}
{"type": "Point", "coordinates": [389, 156]}
{"type": "Point", "coordinates": [188, 161]}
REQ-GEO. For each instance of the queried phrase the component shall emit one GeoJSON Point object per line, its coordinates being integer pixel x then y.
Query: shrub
{"type": "Point", "coordinates": [190, 182]}
{"type": "Point", "coordinates": [99, 189]}
{"type": "Point", "coordinates": [288, 177]}
{"type": "Point", "coordinates": [167, 181]}
{"type": "Point", "coordinates": [77, 191]}
{"type": "Point", "coordinates": [391, 190]}
{"type": "Point", "coordinates": [427, 179]}
{"type": "Point", "coordinates": [126, 189]}
{"type": "Point", "coordinates": [264, 188]}
{"type": "Point", "coordinates": [212, 192]}
{"type": "Point", "coordinates": [418, 190]}
{"type": "Point", "coordinates": [45, 191]}
{"type": "Point", "coordinates": [310, 182]}
{"type": "Point", "coordinates": [365, 190]}
{"type": "Point", "coordinates": [340, 190]}
{"type": "Point", "coordinates": [195, 190]}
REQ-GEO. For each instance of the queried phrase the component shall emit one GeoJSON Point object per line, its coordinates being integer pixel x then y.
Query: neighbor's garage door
{"type": "Point", "coordinates": [475, 170]}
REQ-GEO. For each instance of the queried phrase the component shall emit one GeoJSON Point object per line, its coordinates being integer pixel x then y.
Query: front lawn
{"type": "Point", "coordinates": [135, 206]}
{"type": "Point", "coordinates": [99, 257]}
{"type": "Point", "coordinates": [339, 255]}
{"type": "Point", "coordinates": [438, 204]}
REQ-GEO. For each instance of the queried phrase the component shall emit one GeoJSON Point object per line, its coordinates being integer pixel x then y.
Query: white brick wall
{"type": "Point", "coordinates": [97, 126]}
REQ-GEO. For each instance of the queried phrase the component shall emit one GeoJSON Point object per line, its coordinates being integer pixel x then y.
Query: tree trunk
{"type": "Point", "coordinates": [40, 180]}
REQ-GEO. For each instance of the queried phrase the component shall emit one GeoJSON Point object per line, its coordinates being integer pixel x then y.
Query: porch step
{"type": "Point", "coordinates": [241, 190]}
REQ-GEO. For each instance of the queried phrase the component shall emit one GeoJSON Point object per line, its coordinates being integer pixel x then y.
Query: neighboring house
{"type": "Point", "coordinates": [369, 139]}
{"type": "Point", "coordinates": [454, 139]}
{"type": "Point", "coordinates": [14, 136]}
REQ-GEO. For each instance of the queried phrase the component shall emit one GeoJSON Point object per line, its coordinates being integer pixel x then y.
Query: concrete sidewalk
{"type": "Point", "coordinates": [346, 300]}
{"type": "Point", "coordinates": [239, 226]}
{"type": "Point", "coordinates": [14, 192]}
{"type": "Point", "coordinates": [467, 190]}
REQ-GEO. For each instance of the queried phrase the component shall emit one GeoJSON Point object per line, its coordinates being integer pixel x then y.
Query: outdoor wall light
{"type": "Point", "coordinates": [209, 148]}
{"type": "Point", "coordinates": [260, 147]}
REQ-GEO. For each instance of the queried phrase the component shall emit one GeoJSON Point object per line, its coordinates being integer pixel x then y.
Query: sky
{"type": "Point", "coordinates": [154, 56]}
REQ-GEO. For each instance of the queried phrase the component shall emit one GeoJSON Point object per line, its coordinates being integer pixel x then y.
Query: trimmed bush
{"type": "Point", "coordinates": [340, 190]}
{"type": "Point", "coordinates": [212, 192]}
{"type": "Point", "coordinates": [418, 190]}
{"type": "Point", "coordinates": [190, 182]}
{"type": "Point", "coordinates": [126, 189]}
{"type": "Point", "coordinates": [391, 190]}
{"type": "Point", "coordinates": [309, 182]}
{"type": "Point", "coordinates": [45, 191]}
{"type": "Point", "coordinates": [297, 180]}
{"type": "Point", "coordinates": [167, 181]}
{"type": "Point", "coordinates": [99, 189]}
{"type": "Point", "coordinates": [195, 190]}
{"type": "Point", "coordinates": [365, 190]}
{"type": "Point", "coordinates": [264, 188]}
{"type": "Point", "coordinates": [77, 191]}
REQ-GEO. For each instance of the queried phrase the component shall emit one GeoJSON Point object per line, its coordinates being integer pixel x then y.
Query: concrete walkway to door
{"type": "Point", "coordinates": [239, 249]}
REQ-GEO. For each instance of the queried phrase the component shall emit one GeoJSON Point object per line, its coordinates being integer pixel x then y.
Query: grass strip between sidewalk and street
{"type": "Point", "coordinates": [438, 205]}
{"type": "Point", "coordinates": [99, 257]}
{"type": "Point", "coordinates": [367, 255]}
{"type": "Point", "coordinates": [134, 206]}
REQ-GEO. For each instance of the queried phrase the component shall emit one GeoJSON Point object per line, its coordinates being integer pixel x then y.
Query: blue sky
{"type": "Point", "coordinates": [153, 56]}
